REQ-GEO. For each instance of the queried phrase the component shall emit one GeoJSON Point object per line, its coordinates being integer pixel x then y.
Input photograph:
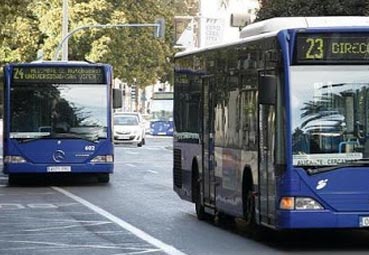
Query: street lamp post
{"type": "Point", "coordinates": [65, 19]}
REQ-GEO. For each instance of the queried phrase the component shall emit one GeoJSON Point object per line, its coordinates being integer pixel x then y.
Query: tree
{"type": "Point", "coordinates": [288, 8]}
{"type": "Point", "coordinates": [19, 34]}
{"type": "Point", "coordinates": [30, 25]}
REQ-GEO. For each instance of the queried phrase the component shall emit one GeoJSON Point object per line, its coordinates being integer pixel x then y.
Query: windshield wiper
{"type": "Point", "coordinates": [94, 138]}
{"type": "Point", "coordinates": [354, 163]}
{"type": "Point", "coordinates": [91, 138]}
{"type": "Point", "coordinates": [26, 140]}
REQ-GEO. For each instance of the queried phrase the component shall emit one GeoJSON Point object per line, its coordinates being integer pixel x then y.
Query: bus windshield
{"type": "Point", "coordinates": [58, 111]}
{"type": "Point", "coordinates": [330, 114]}
{"type": "Point", "coordinates": [161, 110]}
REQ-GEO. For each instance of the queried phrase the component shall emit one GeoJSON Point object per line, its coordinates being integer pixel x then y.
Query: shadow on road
{"type": "Point", "coordinates": [56, 180]}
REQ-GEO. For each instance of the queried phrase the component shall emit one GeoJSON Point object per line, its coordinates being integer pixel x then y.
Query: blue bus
{"type": "Point", "coordinates": [57, 119]}
{"type": "Point", "coordinates": [161, 111]}
{"type": "Point", "coordinates": [274, 127]}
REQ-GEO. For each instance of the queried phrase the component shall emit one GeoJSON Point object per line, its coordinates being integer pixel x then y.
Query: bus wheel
{"type": "Point", "coordinates": [200, 209]}
{"type": "Point", "coordinates": [12, 179]}
{"type": "Point", "coordinates": [103, 178]}
{"type": "Point", "coordinates": [249, 209]}
{"type": "Point", "coordinates": [225, 219]}
{"type": "Point", "coordinates": [143, 141]}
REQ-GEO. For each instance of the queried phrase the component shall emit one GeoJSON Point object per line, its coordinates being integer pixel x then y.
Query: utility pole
{"type": "Point", "coordinates": [65, 19]}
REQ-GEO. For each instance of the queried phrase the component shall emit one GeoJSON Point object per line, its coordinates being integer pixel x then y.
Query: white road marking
{"type": "Point", "coordinates": [154, 148]}
{"type": "Point", "coordinates": [51, 245]}
{"type": "Point", "coordinates": [136, 231]}
{"type": "Point", "coordinates": [130, 165]}
{"type": "Point", "coordinates": [67, 227]}
{"type": "Point", "coordinates": [131, 152]}
{"type": "Point", "coordinates": [152, 171]}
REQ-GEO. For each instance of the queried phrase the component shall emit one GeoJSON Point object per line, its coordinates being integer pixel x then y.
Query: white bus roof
{"type": "Point", "coordinates": [269, 27]}
{"type": "Point", "coordinates": [277, 24]}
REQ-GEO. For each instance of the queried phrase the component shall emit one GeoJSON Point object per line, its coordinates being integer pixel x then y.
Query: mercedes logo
{"type": "Point", "coordinates": [59, 156]}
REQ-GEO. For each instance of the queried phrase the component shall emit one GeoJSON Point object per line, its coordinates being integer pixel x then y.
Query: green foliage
{"type": "Point", "coordinates": [288, 8]}
{"type": "Point", "coordinates": [19, 35]}
{"type": "Point", "coordinates": [27, 26]}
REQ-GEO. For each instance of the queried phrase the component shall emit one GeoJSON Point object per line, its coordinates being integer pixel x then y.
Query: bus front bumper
{"type": "Point", "coordinates": [28, 168]}
{"type": "Point", "coordinates": [321, 219]}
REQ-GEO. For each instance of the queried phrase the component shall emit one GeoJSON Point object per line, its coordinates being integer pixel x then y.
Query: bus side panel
{"type": "Point", "coordinates": [229, 170]}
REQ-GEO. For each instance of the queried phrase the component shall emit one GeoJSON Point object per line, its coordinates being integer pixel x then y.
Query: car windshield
{"type": "Point", "coordinates": [58, 111]}
{"type": "Point", "coordinates": [330, 114]}
{"type": "Point", "coordinates": [126, 120]}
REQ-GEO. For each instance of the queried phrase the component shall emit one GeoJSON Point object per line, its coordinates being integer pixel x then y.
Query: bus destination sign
{"type": "Point", "coordinates": [331, 48]}
{"type": "Point", "coordinates": [59, 74]}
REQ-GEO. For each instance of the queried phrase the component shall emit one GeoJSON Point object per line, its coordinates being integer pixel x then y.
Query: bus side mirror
{"type": "Point", "coordinates": [117, 98]}
{"type": "Point", "coordinates": [267, 89]}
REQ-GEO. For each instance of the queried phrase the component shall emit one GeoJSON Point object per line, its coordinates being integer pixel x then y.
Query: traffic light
{"type": "Point", "coordinates": [133, 92]}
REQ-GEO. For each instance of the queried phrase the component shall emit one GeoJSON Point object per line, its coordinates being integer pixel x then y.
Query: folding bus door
{"type": "Point", "coordinates": [267, 124]}
{"type": "Point", "coordinates": [208, 141]}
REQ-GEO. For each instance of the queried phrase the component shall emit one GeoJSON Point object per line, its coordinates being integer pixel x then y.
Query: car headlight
{"type": "Point", "coordinates": [299, 203]}
{"type": "Point", "coordinates": [103, 159]}
{"type": "Point", "coordinates": [14, 159]}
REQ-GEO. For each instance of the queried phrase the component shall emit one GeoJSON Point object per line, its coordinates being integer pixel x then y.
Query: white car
{"type": "Point", "coordinates": [128, 130]}
{"type": "Point", "coordinates": [141, 120]}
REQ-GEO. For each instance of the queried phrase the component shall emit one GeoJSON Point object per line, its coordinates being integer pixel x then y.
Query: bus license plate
{"type": "Point", "coordinates": [53, 169]}
{"type": "Point", "coordinates": [364, 222]}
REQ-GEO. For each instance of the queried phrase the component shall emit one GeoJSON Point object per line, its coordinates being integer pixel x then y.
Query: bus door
{"type": "Point", "coordinates": [208, 174]}
{"type": "Point", "coordinates": [267, 120]}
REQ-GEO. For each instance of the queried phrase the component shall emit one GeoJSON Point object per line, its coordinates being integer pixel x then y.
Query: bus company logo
{"type": "Point", "coordinates": [59, 156]}
{"type": "Point", "coordinates": [322, 184]}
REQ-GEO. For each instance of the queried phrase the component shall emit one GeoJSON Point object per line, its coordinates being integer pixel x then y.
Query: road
{"type": "Point", "coordinates": [138, 213]}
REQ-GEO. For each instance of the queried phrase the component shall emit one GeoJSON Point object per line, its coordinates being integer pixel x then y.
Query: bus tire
{"type": "Point", "coordinates": [103, 178]}
{"type": "Point", "coordinates": [12, 179]}
{"type": "Point", "coordinates": [225, 219]}
{"type": "Point", "coordinates": [248, 200]}
{"type": "Point", "coordinates": [196, 189]}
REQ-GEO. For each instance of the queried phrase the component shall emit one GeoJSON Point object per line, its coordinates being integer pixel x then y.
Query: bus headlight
{"type": "Point", "coordinates": [103, 159]}
{"type": "Point", "coordinates": [306, 203]}
{"type": "Point", "coordinates": [299, 203]}
{"type": "Point", "coordinates": [14, 159]}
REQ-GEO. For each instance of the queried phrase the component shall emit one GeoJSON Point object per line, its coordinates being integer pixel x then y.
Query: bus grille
{"type": "Point", "coordinates": [177, 169]}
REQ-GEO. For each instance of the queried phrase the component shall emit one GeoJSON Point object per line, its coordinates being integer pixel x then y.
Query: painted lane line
{"type": "Point", "coordinates": [136, 231]}
{"type": "Point", "coordinates": [53, 245]}
{"type": "Point", "coordinates": [66, 227]}
{"type": "Point", "coordinates": [130, 165]}
{"type": "Point", "coordinates": [152, 171]}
